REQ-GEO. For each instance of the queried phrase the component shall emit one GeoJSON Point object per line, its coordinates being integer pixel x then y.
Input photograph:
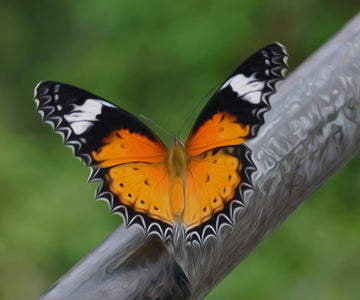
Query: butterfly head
{"type": "Point", "coordinates": [179, 142]}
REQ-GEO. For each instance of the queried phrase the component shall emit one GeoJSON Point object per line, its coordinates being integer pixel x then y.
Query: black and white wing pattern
{"type": "Point", "coordinates": [83, 119]}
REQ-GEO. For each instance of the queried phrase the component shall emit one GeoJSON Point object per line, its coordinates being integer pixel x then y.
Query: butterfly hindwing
{"type": "Point", "coordinates": [240, 103]}
{"type": "Point", "coordinates": [84, 119]}
{"type": "Point", "coordinates": [119, 148]}
{"type": "Point", "coordinates": [228, 171]}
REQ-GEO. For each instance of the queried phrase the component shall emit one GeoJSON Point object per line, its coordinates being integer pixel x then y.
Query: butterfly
{"type": "Point", "coordinates": [195, 186]}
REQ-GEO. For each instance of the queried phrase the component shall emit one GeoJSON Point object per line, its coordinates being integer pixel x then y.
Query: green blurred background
{"type": "Point", "coordinates": [157, 58]}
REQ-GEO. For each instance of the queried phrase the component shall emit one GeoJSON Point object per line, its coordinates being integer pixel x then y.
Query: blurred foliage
{"type": "Point", "coordinates": [157, 58]}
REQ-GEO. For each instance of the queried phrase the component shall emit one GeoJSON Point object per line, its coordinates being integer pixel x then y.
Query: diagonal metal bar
{"type": "Point", "coordinates": [312, 130]}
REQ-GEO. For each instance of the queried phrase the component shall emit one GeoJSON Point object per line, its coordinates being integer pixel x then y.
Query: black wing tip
{"type": "Point", "coordinates": [42, 88]}
{"type": "Point", "coordinates": [277, 45]}
{"type": "Point", "coordinates": [46, 94]}
{"type": "Point", "coordinates": [275, 58]}
{"type": "Point", "coordinates": [279, 58]}
{"type": "Point", "coordinates": [277, 48]}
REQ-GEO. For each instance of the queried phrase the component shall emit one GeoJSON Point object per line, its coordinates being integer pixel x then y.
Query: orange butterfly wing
{"type": "Point", "coordinates": [123, 146]}
{"type": "Point", "coordinates": [143, 187]}
{"type": "Point", "coordinates": [137, 173]}
{"type": "Point", "coordinates": [212, 175]}
{"type": "Point", "coordinates": [221, 130]}
{"type": "Point", "coordinates": [211, 182]}
{"type": "Point", "coordinates": [123, 153]}
{"type": "Point", "coordinates": [219, 162]}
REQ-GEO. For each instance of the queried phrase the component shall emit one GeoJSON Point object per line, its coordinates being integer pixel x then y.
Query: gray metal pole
{"type": "Point", "coordinates": [312, 130]}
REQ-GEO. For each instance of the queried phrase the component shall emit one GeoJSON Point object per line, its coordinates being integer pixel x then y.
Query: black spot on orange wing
{"type": "Point", "coordinates": [227, 215]}
{"type": "Point", "coordinates": [131, 216]}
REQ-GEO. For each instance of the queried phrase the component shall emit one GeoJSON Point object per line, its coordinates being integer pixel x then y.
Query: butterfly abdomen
{"type": "Point", "coordinates": [177, 162]}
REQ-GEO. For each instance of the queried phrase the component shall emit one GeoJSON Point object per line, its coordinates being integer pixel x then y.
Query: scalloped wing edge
{"type": "Point", "coordinates": [279, 60]}
{"type": "Point", "coordinates": [102, 193]}
{"type": "Point", "coordinates": [130, 217]}
{"type": "Point", "coordinates": [226, 217]}
{"type": "Point", "coordinates": [56, 123]}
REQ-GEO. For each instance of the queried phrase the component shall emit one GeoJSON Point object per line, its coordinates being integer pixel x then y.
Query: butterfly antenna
{"type": "Point", "coordinates": [156, 125]}
{"type": "Point", "coordinates": [195, 108]}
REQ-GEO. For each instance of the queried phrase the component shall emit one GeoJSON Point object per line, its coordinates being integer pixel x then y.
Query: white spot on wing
{"type": "Point", "coordinates": [57, 88]}
{"type": "Point", "coordinates": [80, 127]}
{"type": "Point", "coordinates": [248, 88]}
{"type": "Point", "coordinates": [82, 117]}
{"type": "Point", "coordinates": [253, 97]}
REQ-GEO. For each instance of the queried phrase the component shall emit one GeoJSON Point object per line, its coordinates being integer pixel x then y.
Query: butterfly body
{"type": "Point", "coordinates": [177, 162]}
{"type": "Point", "coordinates": [196, 185]}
